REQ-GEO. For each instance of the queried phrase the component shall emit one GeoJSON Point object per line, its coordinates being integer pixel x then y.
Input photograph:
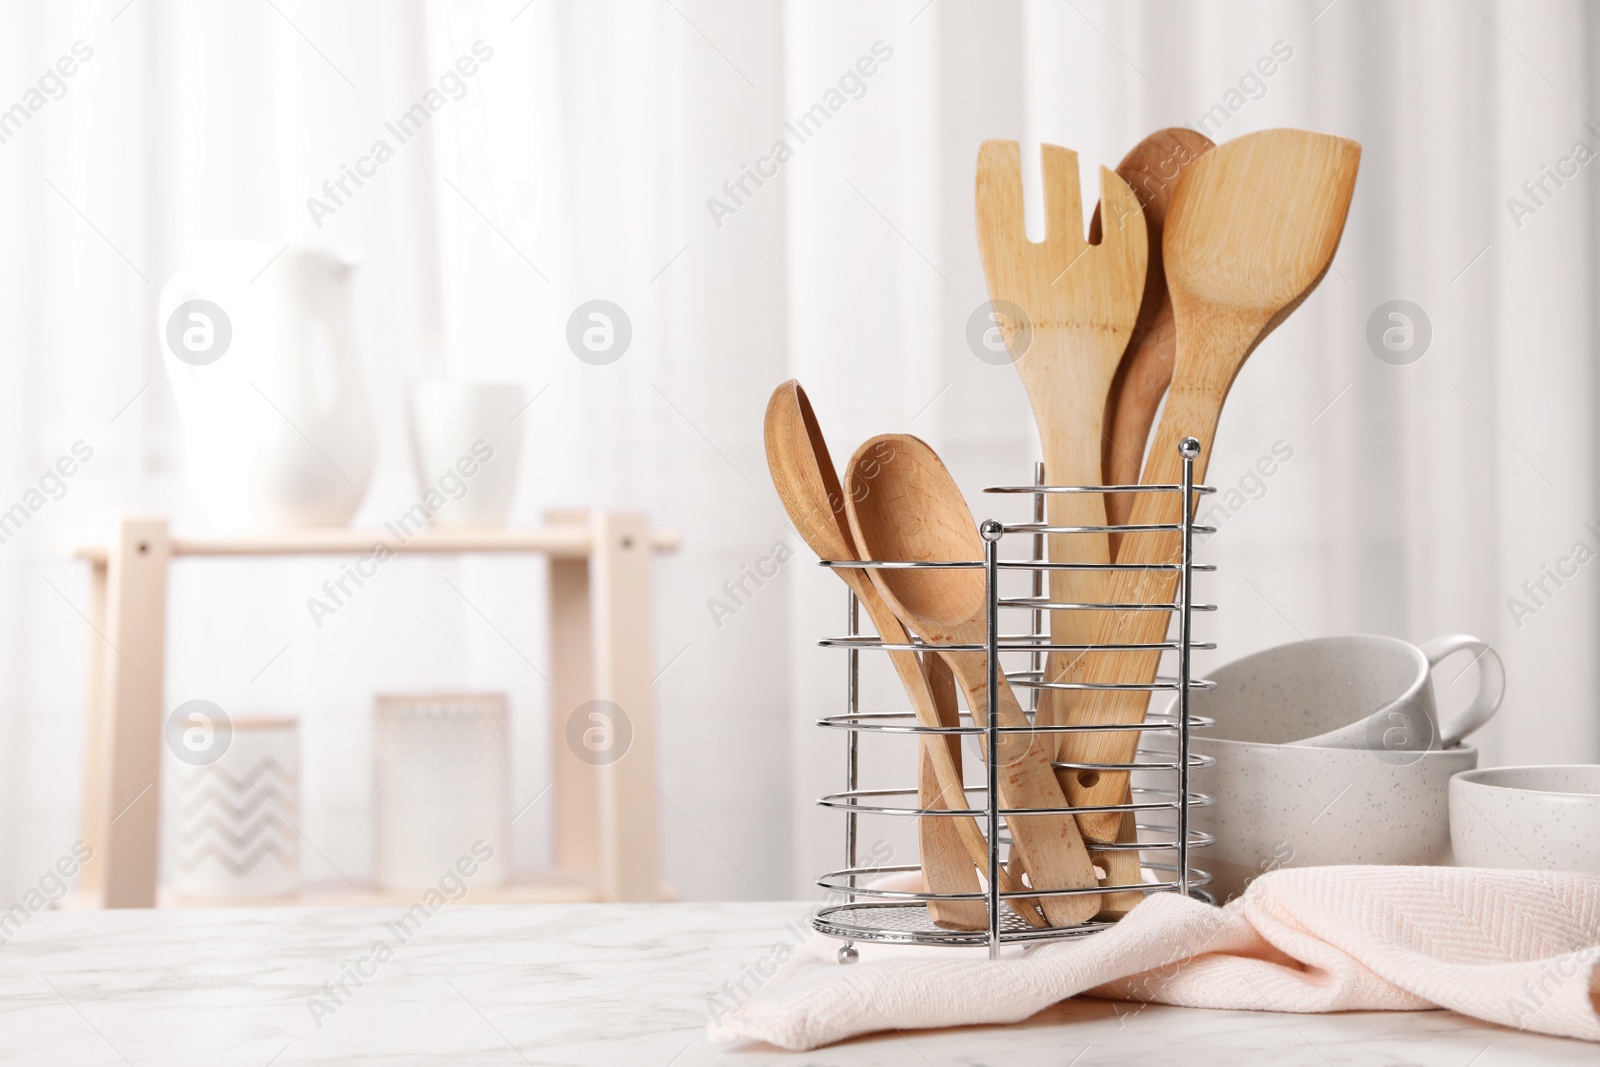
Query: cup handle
{"type": "Point", "coordinates": [1491, 683]}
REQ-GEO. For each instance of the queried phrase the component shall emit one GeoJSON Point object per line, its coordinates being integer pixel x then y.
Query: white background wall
{"type": "Point", "coordinates": [1417, 501]}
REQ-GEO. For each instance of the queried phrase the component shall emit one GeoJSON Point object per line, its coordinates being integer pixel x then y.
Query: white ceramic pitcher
{"type": "Point", "coordinates": [261, 355]}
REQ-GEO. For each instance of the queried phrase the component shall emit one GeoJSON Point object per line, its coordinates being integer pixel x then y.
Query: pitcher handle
{"type": "Point", "coordinates": [1491, 683]}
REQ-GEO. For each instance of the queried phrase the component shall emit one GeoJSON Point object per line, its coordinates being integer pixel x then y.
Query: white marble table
{"type": "Point", "coordinates": [572, 984]}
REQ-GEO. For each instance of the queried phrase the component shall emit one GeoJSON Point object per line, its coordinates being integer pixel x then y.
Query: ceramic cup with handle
{"type": "Point", "coordinates": [1527, 818]}
{"type": "Point", "coordinates": [465, 442]}
{"type": "Point", "coordinates": [1359, 691]}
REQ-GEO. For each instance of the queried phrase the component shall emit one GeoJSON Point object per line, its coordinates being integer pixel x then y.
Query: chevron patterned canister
{"type": "Point", "coordinates": [231, 822]}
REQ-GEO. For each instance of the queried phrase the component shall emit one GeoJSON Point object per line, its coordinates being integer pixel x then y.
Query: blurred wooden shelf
{"type": "Point", "coordinates": [560, 541]}
{"type": "Point", "coordinates": [606, 840]}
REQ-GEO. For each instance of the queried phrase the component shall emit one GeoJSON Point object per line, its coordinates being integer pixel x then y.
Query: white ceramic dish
{"type": "Point", "coordinates": [1521, 818]}
{"type": "Point", "coordinates": [1329, 752]}
{"type": "Point", "coordinates": [1295, 806]}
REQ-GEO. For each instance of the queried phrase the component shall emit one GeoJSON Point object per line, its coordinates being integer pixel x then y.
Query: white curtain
{"type": "Point", "coordinates": [605, 151]}
{"type": "Point", "coordinates": [1418, 498]}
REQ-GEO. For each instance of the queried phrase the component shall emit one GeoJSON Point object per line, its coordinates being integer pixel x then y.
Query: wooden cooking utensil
{"type": "Point", "coordinates": [948, 860]}
{"type": "Point", "coordinates": [1080, 302]}
{"type": "Point", "coordinates": [903, 505]}
{"type": "Point", "coordinates": [1152, 170]}
{"type": "Point", "coordinates": [803, 473]}
{"type": "Point", "coordinates": [1251, 231]}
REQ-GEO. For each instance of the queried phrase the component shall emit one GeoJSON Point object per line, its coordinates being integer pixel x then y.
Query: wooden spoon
{"type": "Point", "coordinates": [903, 505]}
{"type": "Point", "coordinates": [1152, 170]}
{"type": "Point", "coordinates": [1251, 231]}
{"type": "Point", "coordinates": [803, 473]}
{"type": "Point", "coordinates": [949, 859]}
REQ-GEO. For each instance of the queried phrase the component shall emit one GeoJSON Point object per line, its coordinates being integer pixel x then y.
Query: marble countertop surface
{"type": "Point", "coordinates": [572, 984]}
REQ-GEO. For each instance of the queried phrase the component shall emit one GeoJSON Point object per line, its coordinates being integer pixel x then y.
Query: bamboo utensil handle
{"type": "Point", "coordinates": [937, 753]}
{"type": "Point", "coordinates": [1185, 416]}
{"type": "Point", "coordinates": [1051, 847]}
{"type": "Point", "coordinates": [946, 866]}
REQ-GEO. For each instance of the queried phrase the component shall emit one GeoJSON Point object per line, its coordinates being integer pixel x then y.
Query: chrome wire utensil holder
{"type": "Point", "coordinates": [871, 913]}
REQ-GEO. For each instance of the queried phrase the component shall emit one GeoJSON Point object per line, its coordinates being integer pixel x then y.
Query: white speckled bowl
{"type": "Point", "coordinates": [1296, 806]}
{"type": "Point", "coordinates": [1527, 818]}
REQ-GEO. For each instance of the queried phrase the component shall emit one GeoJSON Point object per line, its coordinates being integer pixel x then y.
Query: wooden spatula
{"type": "Point", "coordinates": [1152, 170]}
{"type": "Point", "coordinates": [910, 508]}
{"type": "Point", "coordinates": [1080, 302]}
{"type": "Point", "coordinates": [1251, 231]}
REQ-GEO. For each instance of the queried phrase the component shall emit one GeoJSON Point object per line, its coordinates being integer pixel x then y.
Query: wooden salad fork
{"type": "Point", "coordinates": [1078, 304]}
{"type": "Point", "coordinates": [1075, 305]}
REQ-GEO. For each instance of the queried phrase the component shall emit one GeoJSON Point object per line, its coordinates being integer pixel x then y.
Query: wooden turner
{"type": "Point", "coordinates": [1251, 231]}
{"type": "Point", "coordinates": [1152, 170]}
{"type": "Point", "coordinates": [1080, 302]}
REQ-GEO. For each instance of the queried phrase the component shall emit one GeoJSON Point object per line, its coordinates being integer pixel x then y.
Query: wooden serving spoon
{"type": "Point", "coordinates": [907, 507]}
{"type": "Point", "coordinates": [951, 847]}
{"type": "Point", "coordinates": [1152, 170]}
{"type": "Point", "coordinates": [1251, 230]}
{"type": "Point", "coordinates": [803, 473]}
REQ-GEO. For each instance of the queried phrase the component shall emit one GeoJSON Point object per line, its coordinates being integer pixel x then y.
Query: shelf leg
{"type": "Point", "coordinates": [620, 563]}
{"type": "Point", "coordinates": [91, 883]}
{"type": "Point", "coordinates": [575, 784]}
{"type": "Point", "coordinates": [135, 633]}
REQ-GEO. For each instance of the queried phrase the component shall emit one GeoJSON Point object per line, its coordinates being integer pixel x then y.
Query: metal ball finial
{"type": "Point", "coordinates": [848, 954]}
{"type": "Point", "coordinates": [1188, 448]}
{"type": "Point", "coordinates": [991, 530]}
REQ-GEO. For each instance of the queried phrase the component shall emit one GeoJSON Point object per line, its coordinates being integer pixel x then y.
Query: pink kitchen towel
{"type": "Point", "coordinates": [1519, 948]}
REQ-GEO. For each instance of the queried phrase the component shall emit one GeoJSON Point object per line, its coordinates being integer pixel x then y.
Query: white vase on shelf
{"type": "Point", "coordinates": [259, 345]}
{"type": "Point", "coordinates": [466, 439]}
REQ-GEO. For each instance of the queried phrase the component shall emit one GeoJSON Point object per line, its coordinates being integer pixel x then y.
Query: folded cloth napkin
{"type": "Point", "coordinates": [1519, 948]}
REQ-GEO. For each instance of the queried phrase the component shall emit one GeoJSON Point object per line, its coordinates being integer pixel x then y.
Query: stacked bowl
{"type": "Point", "coordinates": [1330, 752]}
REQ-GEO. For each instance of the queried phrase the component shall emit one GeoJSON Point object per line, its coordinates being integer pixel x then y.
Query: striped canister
{"type": "Point", "coordinates": [231, 821]}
